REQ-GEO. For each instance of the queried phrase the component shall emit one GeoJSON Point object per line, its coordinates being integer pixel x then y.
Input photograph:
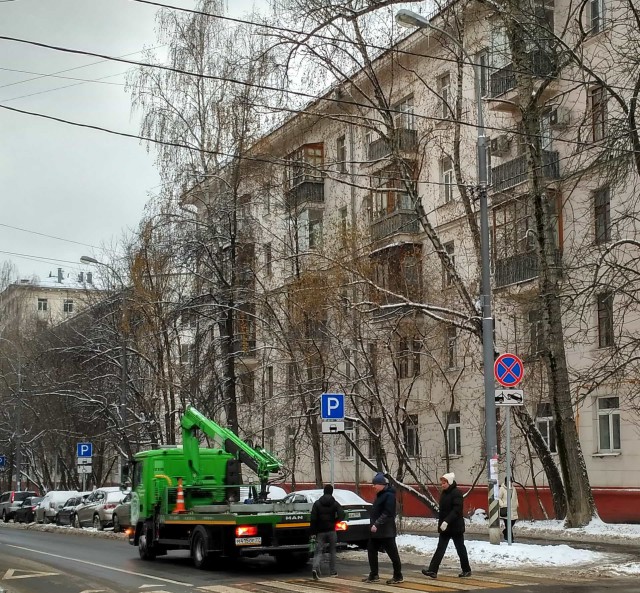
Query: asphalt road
{"type": "Point", "coordinates": [72, 561]}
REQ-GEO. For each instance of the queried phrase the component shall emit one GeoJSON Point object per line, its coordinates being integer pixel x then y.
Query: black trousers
{"type": "Point", "coordinates": [443, 542]}
{"type": "Point", "coordinates": [504, 531]}
{"type": "Point", "coordinates": [387, 544]}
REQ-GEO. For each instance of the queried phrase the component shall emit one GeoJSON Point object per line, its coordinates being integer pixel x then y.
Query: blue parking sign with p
{"type": "Point", "coordinates": [332, 406]}
{"type": "Point", "coordinates": [85, 450]}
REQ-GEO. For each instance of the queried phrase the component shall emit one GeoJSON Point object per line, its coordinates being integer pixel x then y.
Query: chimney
{"type": "Point", "coordinates": [81, 277]}
{"type": "Point", "coordinates": [89, 277]}
{"type": "Point", "coordinates": [60, 275]}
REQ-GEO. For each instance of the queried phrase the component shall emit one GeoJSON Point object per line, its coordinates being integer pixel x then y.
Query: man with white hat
{"type": "Point", "coordinates": [450, 527]}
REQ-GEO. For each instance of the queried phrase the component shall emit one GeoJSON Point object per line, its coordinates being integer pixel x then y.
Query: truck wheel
{"type": "Point", "coordinates": [146, 550]}
{"type": "Point", "coordinates": [200, 548]}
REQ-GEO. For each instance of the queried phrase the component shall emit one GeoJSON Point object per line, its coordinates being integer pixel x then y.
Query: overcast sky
{"type": "Point", "coordinates": [76, 184]}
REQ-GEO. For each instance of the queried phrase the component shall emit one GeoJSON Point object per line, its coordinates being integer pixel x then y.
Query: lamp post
{"type": "Point", "coordinates": [18, 443]}
{"type": "Point", "coordinates": [85, 259]}
{"type": "Point", "coordinates": [408, 18]}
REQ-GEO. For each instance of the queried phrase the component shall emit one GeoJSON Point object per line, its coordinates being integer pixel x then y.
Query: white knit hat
{"type": "Point", "coordinates": [451, 477]}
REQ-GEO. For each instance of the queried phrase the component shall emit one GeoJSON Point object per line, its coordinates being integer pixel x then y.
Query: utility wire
{"type": "Point", "coordinates": [41, 75]}
{"type": "Point", "coordinates": [16, 228]}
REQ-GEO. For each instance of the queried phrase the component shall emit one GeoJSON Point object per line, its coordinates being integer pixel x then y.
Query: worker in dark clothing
{"type": "Point", "coordinates": [325, 513]}
{"type": "Point", "coordinates": [450, 527]}
{"type": "Point", "coordinates": [383, 531]}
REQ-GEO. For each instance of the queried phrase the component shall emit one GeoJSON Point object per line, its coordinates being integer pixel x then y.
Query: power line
{"type": "Point", "coordinates": [16, 228]}
{"type": "Point", "coordinates": [41, 75]}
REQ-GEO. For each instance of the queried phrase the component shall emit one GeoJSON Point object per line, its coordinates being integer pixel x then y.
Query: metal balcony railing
{"type": "Point", "coordinates": [541, 64]}
{"type": "Point", "coordinates": [515, 171]}
{"type": "Point", "coordinates": [380, 148]}
{"type": "Point", "coordinates": [309, 190]}
{"type": "Point", "coordinates": [519, 268]}
{"type": "Point", "coordinates": [400, 221]}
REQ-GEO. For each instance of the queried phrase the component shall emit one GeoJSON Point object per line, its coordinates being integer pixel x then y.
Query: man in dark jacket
{"type": "Point", "coordinates": [450, 527]}
{"type": "Point", "coordinates": [383, 531]}
{"type": "Point", "coordinates": [325, 513]}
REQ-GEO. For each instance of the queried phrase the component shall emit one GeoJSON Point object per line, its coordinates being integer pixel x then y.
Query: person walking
{"type": "Point", "coordinates": [383, 531]}
{"type": "Point", "coordinates": [502, 500]}
{"type": "Point", "coordinates": [450, 527]}
{"type": "Point", "coordinates": [325, 513]}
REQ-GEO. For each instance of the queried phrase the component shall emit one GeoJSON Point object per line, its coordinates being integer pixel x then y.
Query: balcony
{"type": "Point", "coordinates": [519, 268]}
{"type": "Point", "coordinates": [308, 190]}
{"type": "Point", "coordinates": [515, 171]}
{"type": "Point", "coordinates": [541, 64]}
{"type": "Point", "coordinates": [380, 148]}
{"type": "Point", "coordinates": [398, 222]}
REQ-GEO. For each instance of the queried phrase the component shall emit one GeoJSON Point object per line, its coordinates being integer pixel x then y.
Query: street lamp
{"type": "Point", "coordinates": [85, 259]}
{"type": "Point", "coordinates": [18, 443]}
{"type": "Point", "coordinates": [408, 18]}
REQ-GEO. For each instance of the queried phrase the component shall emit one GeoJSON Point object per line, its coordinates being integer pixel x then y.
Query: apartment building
{"type": "Point", "coordinates": [355, 290]}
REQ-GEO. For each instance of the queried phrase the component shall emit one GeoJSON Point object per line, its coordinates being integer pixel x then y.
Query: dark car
{"type": "Point", "coordinates": [10, 501]}
{"type": "Point", "coordinates": [26, 512]}
{"type": "Point", "coordinates": [122, 515]}
{"type": "Point", "coordinates": [65, 514]}
{"type": "Point", "coordinates": [355, 528]}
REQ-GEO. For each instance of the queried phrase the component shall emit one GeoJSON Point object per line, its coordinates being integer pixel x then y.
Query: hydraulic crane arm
{"type": "Point", "coordinates": [259, 460]}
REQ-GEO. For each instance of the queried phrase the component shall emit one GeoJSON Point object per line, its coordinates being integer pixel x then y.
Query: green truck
{"type": "Point", "coordinates": [220, 517]}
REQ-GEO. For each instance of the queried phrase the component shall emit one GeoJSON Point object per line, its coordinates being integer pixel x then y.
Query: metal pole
{"type": "Point", "coordinates": [333, 443]}
{"type": "Point", "coordinates": [508, 475]}
{"type": "Point", "coordinates": [123, 399]}
{"type": "Point", "coordinates": [19, 430]}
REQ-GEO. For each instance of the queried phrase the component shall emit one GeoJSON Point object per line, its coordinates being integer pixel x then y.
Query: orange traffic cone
{"type": "Point", "coordinates": [180, 508]}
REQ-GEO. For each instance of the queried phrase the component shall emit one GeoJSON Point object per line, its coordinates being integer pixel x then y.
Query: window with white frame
{"type": "Point", "coordinates": [67, 306]}
{"type": "Point", "coordinates": [403, 116]}
{"type": "Point", "coordinates": [344, 225]}
{"type": "Point", "coordinates": [269, 383]}
{"type": "Point", "coordinates": [270, 438]}
{"type": "Point", "coordinates": [546, 425]}
{"type": "Point", "coordinates": [43, 304]}
{"type": "Point", "coordinates": [341, 154]}
{"type": "Point", "coordinates": [602, 215]}
{"type": "Point", "coordinates": [408, 356]}
{"type": "Point", "coordinates": [186, 353]}
{"type": "Point", "coordinates": [608, 424]}
{"type": "Point", "coordinates": [446, 180]}
{"type": "Point", "coordinates": [411, 435]}
{"type": "Point", "coordinates": [350, 431]}
{"type": "Point", "coordinates": [444, 90]}
{"type": "Point", "coordinates": [596, 15]}
{"type": "Point", "coordinates": [598, 112]}
{"type": "Point", "coordinates": [290, 446]}
{"type": "Point", "coordinates": [454, 433]}
{"type": "Point", "coordinates": [375, 424]}
{"type": "Point", "coordinates": [534, 329]}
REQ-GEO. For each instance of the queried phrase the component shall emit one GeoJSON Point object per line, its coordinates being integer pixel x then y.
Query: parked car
{"type": "Point", "coordinates": [355, 528]}
{"type": "Point", "coordinates": [10, 501]}
{"type": "Point", "coordinates": [97, 508]}
{"type": "Point", "coordinates": [26, 512]}
{"type": "Point", "coordinates": [48, 509]}
{"type": "Point", "coordinates": [121, 516]}
{"type": "Point", "coordinates": [66, 511]}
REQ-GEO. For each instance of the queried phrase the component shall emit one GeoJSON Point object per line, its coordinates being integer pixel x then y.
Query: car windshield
{"type": "Point", "coordinates": [22, 495]}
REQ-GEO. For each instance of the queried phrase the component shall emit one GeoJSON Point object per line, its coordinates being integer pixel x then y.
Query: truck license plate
{"type": "Point", "coordinates": [248, 541]}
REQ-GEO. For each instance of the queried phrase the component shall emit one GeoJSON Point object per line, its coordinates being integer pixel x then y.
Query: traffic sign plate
{"type": "Point", "coordinates": [509, 397]}
{"type": "Point", "coordinates": [84, 460]}
{"type": "Point", "coordinates": [85, 449]}
{"type": "Point", "coordinates": [508, 370]}
{"type": "Point", "coordinates": [84, 469]}
{"type": "Point", "coordinates": [332, 427]}
{"type": "Point", "coordinates": [332, 406]}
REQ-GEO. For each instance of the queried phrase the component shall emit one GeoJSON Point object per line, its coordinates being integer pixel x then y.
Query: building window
{"type": "Point", "coordinates": [290, 447]}
{"type": "Point", "coordinates": [453, 434]}
{"type": "Point", "coordinates": [411, 438]}
{"type": "Point", "coordinates": [305, 164]}
{"type": "Point", "coordinates": [513, 232]}
{"type": "Point", "coordinates": [534, 329]}
{"type": "Point", "coordinates": [315, 228]}
{"type": "Point", "coordinates": [447, 276]}
{"type": "Point", "coordinates": [417, 355]}
{"type": "Point", "coordinates": [608, 424]}
{"type": "Point", "coordinates": [186, 353]}
{"type": "Point", "coordinates": [375, 424]}
{"type": "Point", "coordinates": [341, 154]}
{"type": "Point", "coordinates": [444, 90]}
{"type": "Point", "coordinates": [269, 381]}
{"type": "Point", "coordinates": [43, 304]}
{"type": "Point", "coordinates": [403, 116]}
{"type": "Point", "coordinates": [446, 180]}
{"type": "Point", "coordinates": [350, 431]}
{"type": "Point", "coordinates": [344, 212]}
{"type": "Point", "coordinates": [482, 72]}
{"type": "Point", "coordinates": [605, 319]}
{"type": "Point", "coordinates": [602, 215]}
{"type": "Point", "coordinates": [546, 425]}
{"type": "Point", "coordinates": [596, 16]}
{"type": "Point", "coordinates": [270, 438]}
{"type": "Point", "coordinates": [598, 109]}
{"type": "Point", "coordinates": [291, 377]}
{"type": "Point", "coordinates": [268, 259]}
{"type": "Point", "coordinates": [452, 350]}
{"type": "Point", "coordinates": [372, 361]}
{"type": "Point", "coordinates": [67, 306]}
{"type": "Point", "coordinates": [408, 357]}
{"type": "Point", "coordinates": [247, 387]}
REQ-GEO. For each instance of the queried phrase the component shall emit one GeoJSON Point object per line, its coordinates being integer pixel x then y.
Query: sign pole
{"type": "Point", "coordinates": [508, 476]}
{"type": "Point", "coordinates": [333, 452]}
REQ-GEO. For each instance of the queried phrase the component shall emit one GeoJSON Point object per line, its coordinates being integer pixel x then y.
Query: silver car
{"type": "Point", "coordinates": [97, 509]}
